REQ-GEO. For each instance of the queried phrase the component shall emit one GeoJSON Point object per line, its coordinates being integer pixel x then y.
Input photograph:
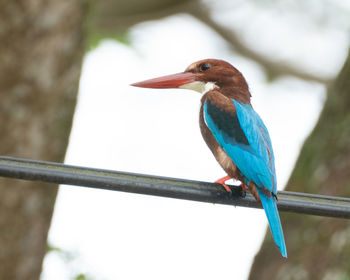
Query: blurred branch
{"type": "Point", "coordinates": [273, 68]}
{"type": "Point", "coordinates": [111, 16]}
{"type": "Point", "coordinates": [167, 187]}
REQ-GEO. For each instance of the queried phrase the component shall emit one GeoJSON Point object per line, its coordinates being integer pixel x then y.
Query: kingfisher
{"type": "Point", "coordinates": [233, 131]}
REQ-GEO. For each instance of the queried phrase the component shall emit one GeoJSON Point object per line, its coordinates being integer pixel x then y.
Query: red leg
{"type": "Point", "coordinates": [244, 187]}
{"type": "Point", "coordinates": [253, 191]}
{"type": "Point", "coordinates": [222, 181]}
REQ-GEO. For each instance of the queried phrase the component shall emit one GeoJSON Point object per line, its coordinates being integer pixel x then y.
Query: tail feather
{"type": "Point", "coordinates": [270, 207]}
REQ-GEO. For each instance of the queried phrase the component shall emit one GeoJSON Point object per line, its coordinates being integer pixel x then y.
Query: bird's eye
{"type": "Point", "coordinates": [205, 66]}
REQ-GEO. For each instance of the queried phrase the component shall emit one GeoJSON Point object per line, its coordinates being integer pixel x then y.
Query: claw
{"type": "Point", "coordinates": [244, 189]}
{"type": "Point", "coordinates": [222, 181]}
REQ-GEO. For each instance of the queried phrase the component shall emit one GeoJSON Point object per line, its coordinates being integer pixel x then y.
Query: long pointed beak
{"type": "Point", "coordinates": [170, 81]}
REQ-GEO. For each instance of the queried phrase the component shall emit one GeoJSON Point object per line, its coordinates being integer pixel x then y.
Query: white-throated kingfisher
{"type": "Point", "coordinates": [233, 131]}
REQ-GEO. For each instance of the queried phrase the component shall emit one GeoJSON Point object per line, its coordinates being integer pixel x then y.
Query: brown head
{"type": "Point", "coordinates": [203, 76]}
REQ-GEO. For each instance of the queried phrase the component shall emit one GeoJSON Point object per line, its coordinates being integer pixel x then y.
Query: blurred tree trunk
{"type": "Point", "coordinates": [318, 248]}
{"type": "Point", "coordinates": [41, 47]}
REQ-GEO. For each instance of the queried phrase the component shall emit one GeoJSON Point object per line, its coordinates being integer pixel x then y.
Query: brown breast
{"type": "Point", "coordinates": [220, 155]}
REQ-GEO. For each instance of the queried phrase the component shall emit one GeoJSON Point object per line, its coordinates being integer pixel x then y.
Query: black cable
{"type": "Point", "coordinates": [167, 187]}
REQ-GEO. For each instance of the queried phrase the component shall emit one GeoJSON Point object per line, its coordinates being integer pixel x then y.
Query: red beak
{"type": "Point", "coordinates": [170, 81]}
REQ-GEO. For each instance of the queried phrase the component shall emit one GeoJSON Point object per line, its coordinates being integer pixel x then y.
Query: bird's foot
{"type": "Point", "coordinates": [243, 190]}
{"type": "Point", "coordinates": [222, 181]}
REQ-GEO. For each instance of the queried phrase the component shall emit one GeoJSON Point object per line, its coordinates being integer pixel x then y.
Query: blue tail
{"type": "Point", "coordinates": [273, 217]}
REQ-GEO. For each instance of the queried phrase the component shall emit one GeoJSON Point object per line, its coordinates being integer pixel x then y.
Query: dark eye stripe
{"type": "Point", "coordinates": [205, 66]}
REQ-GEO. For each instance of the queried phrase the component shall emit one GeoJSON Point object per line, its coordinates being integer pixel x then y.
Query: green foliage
{"type": "Point", "coordinates": [72, 263]}
{"type": "Point", "coordinates": [51, 248]}
{"type": "Point", "coordinates": [94, 39]}
{"type": "Point", "coordinates": [81, 276]}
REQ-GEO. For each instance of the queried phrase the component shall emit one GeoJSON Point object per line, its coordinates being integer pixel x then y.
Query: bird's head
{"type": "Point", "coordinates": [202, 76]}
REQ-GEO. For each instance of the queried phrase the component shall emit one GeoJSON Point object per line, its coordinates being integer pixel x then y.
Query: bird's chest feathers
{"type": "Point", "coordinates": [220, 155]}
{"type": "Point", "coordinates": [225, 161]}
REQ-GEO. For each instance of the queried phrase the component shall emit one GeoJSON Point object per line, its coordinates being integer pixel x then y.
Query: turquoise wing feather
{"type": "Point", "coordinates": [244, 137]}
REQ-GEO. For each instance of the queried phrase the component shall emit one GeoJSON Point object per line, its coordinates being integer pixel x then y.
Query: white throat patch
{"type": "Point", "coordinates": [201, 87]}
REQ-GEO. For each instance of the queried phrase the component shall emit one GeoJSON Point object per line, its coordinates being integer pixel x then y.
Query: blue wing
{"type": "Point", "coordinates": [244, 137]}
{"type": "Point", "coordinates": [247, 142]}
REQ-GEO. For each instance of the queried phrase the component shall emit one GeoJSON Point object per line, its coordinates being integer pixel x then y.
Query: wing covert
{"type": "Point", "coordinates": [243, 136]}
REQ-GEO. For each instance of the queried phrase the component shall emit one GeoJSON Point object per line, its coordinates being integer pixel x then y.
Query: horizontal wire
{"type": "Point", "coordinates": [58, 173]}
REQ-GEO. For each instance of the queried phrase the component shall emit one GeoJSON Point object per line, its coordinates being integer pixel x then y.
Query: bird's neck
{"type": "Point", "coordinates": [237, 93]}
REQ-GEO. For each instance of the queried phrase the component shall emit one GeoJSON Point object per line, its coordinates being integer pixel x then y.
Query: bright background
{"type": "Point", "coordinates": [114, 235]}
